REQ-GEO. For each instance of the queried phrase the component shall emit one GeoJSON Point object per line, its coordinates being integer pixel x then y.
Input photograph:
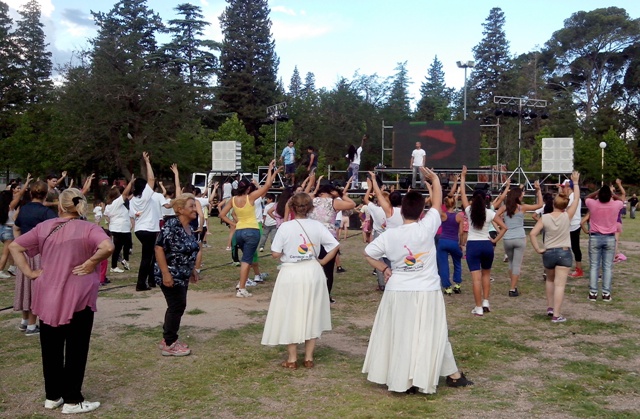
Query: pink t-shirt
{"type": "Point", "coordinates": [57, 293]}
{"type": "Point", "coordinates": [603, 217]}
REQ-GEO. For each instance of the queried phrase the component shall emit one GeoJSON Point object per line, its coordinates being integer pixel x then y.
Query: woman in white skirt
{"type": "Point", "coordinates": [409, 346]}
{"type": "Point", "coordinates": [299, 309]}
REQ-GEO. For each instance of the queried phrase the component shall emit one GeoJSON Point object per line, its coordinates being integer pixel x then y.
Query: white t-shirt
{"type": "Point", "coordinates": [298, 244]}
{"type": "Point", "coordinates": [119, 221]}
{"type": "Point", "coordinates": [166, 209]}
{"type": "Point", "coordinates": [226, 190]}
{"type": "Point", "coordinates": [575, 221]}
{"type": "Point", "coordinates": [204, 203]}
{"type": "Point", "coordinates": [145, 210]}
{"type": "Point", "coordinates": [97, 213]}
{"type": "Point", "coordinates": [482, 234]}
{"type": "Point", "coordinates": [257, 206]}
{"type": "Point", "coordinates": [269, 220]}
{"type": "Point", "coordinates": [396, 219]}
{"type": "Point", "coordinates": [412, 252]}
{"type": "Point", "coordinates": [356, 157]}
{"type": "Point", "coordinates": [377, 216]}
{"type": "Point", "coordinates": [418, 157]}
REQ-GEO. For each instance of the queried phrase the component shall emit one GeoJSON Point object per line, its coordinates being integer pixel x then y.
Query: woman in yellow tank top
{"type": "Point", "coordinates": [247, 231]}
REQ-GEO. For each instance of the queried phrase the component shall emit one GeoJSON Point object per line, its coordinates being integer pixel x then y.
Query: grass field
{"type": "Point", "coordinates": [523, 365]}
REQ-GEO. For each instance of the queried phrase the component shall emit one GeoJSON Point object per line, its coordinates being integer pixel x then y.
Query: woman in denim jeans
{"type": "Point", "coordinates": [247, 233]}
{"type": "Point", "coordinates": [556, 253]}
{"type": "Point", "coordinates": [604, 208]}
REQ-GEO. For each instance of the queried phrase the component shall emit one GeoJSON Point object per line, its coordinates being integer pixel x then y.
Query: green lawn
{"type": "Point", "coordinates": [523, 365]}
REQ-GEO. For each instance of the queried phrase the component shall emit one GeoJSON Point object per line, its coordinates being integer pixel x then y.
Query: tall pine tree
{"type": "Point", "coordinates": [35, 61]}
{"type": "Point", "coordinates": [247, 78]}
{"type": "Point", "coordinates": [397, 107]}
{"type": "Point", "coordinates": [295, 85]}
{"type": "Point", "coordinates": [435, 101]}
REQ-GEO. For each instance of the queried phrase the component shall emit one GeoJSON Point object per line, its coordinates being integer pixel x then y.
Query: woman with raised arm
{"type": "Point", "coordinates": [119, 225]}
{"type": "Point", "coordinates": [515, 237]}
{"type": "Point", "coordinates": [247, 233]}
{"type": "Point", "coordinates": [556, 253]}
{"type": "Point", "coordinates": [409, 347]}
{"type": "Point", "coordinates": [65, 294]}
{"type": "Point", "coordinates": [480, 245]}
{"type": "Point", "coordinates": [325, 208]}
{"type": "Point", "coordinates": [145, 210]}
{"type": "Point", "coordinates": [299, 309]}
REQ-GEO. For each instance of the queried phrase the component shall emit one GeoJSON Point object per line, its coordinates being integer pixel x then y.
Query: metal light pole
{"type": "Point", "coordinates": [603, 145]}
{"type": "Point", "coordinates": [519, 102]}
{"type": "Point", "coordinates": [274, 112]}
{"type": "Point", "coordinates": [465, 65]}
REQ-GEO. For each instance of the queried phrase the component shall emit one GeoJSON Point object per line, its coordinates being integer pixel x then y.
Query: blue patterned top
{"type": "Point", "coordinates": [180, 249]}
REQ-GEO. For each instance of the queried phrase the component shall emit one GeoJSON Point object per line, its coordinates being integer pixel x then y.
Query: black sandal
{"type": "Point", "coordinates": [459, 382]}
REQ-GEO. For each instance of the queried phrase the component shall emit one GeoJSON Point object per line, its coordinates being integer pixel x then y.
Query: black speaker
{"type": "Point", "coordinates": [483, 186]}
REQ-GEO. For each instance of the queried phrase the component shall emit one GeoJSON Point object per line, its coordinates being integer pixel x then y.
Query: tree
{"type": "Point", "coordinates": [591, 55]}
{"type": "Point", "coordinates": [397, 107]}
{"type": "Point", "coordinates": [492, 63]}
{"type": "Point", "coordinates": [248, 62]}
{"type": "Point", "coordinates": [435, 101]}
{"type": "Point", "coordinates": [309, 87]}
{"type": "Point", "coordinates": [187, 54]}
{"type": "Point", "coordinates": [295, 85]}
{"type": "Point", "coordinates": [35, 61]}
{"type": "Point", "coordinates": [9, 79]}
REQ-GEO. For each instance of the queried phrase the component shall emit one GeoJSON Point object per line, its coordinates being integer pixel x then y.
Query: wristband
{"type": "Point", "coordinates": [385, 269]}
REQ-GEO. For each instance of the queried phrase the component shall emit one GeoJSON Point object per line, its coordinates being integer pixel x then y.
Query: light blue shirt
{"type": "Point", "coordinates": [289, 154]}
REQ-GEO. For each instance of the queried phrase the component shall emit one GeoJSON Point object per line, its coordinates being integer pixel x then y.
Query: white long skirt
{"type": "Point", "coordinates": [299, 308]}
{"type": "Point", "coordinates": [409, 344]}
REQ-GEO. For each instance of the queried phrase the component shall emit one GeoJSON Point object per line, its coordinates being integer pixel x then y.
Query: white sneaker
{"type": "Point", "coordinates": [12, 270]}
{"type": "Point", "coordinates": [4, 275]}
{"type": "Point", "coordinates": [262, 249]}
{"type": "Point", "coordinates": [257, 279]}
{"type": "Point", "coordinates": [477, 311]}
{"type": "Point", "coordinates": [243, 293]}
{"type": "Point", "coordinates": [251, 283]}
{"type": "Point", "coordinates": [264, 275]}
{"type": "Point", "coordinates": [505, 259]}
{"type": "Point", "coordinates": [116, 270]}
{"type": "Point", "coordinates": [53, 404]}
{"type": "Point", "coordinates": [126, 264]}
{"type": "Point", "coordinates": [82, 407]}
{"type": "Point", "coordinates": [485, 306]}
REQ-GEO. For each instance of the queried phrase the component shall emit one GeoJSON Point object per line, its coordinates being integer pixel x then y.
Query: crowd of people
{"type": "Point", "coordinates": [62, 259]}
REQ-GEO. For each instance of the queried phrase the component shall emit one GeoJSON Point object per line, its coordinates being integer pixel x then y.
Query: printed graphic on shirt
{"type": "Point", "coordinates": [413, 262]}
{"type": "Point", "coordinates": [303, 249]}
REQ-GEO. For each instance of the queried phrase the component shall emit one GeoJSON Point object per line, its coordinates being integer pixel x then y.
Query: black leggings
{"type": "Point", "coordinates": [328, 268]}
{"type": "Point", "coordinates": [575, 245]}
{"type": "Point", "coordinates": [147, 258]}
{"type": "Point", "coordinates": [122, 243]}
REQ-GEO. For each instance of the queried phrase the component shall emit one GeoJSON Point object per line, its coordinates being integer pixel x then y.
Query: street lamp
{"type": "Point", "coordinates": [465, 65]}
{"type": "Point", "coordinates": [276, 112]}
{"type": "Point", "coordinates": [603, 145]}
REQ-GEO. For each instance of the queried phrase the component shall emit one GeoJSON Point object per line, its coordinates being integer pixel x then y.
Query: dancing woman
{"type": "Point", "coordinates": [515, 237]}
{"type": "Point", "coordinates": [480, 245]}
{"type": "Point", "coordinates": [556, 253]}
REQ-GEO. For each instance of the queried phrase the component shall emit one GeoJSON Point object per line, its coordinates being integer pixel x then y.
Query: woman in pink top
{"type": "Point", "coordinates": [64, 295]}
{"type": "Point", "coordinates": [603, 215]}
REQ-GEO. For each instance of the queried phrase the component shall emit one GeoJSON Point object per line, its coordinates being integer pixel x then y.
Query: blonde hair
{"type": "Point", "coordinates": [301, 203]}
{"type": "Point", "coordinates": [180, 203]}
{"type": "Point", "coordinates": [73, 202]}
{"type": "Point", "coordinates": [561, 201]}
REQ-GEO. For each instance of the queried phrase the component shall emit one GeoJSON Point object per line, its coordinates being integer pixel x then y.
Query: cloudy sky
{"type": "Point", "coordinates": [334, 38]}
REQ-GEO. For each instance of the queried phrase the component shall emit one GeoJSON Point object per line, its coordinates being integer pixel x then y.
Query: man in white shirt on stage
{"type": "Point", "coordinates": [418, 160]}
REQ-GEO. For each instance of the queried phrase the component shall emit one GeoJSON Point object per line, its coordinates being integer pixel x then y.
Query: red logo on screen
{"type": "Point", "coordinates": [444, 136]}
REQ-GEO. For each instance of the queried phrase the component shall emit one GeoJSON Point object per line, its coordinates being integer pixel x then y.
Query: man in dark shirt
{"type": "Point", "coordinates": [633, 204]}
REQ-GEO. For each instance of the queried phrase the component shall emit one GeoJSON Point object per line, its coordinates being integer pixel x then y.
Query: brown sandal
{"type": "Point", "coordinates": [308, 364]}
{"type": "Point", "coordinates": [290, 365]}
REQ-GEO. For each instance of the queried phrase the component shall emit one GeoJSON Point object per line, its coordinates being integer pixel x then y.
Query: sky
{"type": "Point", "coordinates": [337, 38]}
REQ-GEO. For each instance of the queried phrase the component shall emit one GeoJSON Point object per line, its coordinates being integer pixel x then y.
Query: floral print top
{"type": "Point", "coordinates": [180, 249]}
{"type": "Point", "coordinates": [324, 212]}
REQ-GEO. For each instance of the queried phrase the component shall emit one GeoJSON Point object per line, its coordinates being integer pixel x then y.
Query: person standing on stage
{"type": "Point", "coordinates": [289, 157]}
{"type": "Point", "coordinates": [418, 160]}
{"type": "Point", "coordinates": [312, 164]}
{"type": "Point", "coordinates": [355, 155]}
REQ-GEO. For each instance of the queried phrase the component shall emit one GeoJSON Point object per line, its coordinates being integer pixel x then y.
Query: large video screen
{"type": "Point", "coordinates": [449, 144]}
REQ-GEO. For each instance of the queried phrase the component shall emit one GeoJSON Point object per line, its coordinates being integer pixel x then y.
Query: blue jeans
{"type": "Point", "coordinates": [352, 172]}
{"type": "Point", "coordinates": [601, 253]}
{"type": "Point", "coordinates": [444, 249]}
{"type": "Point", "coordinates": [247, 239]}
